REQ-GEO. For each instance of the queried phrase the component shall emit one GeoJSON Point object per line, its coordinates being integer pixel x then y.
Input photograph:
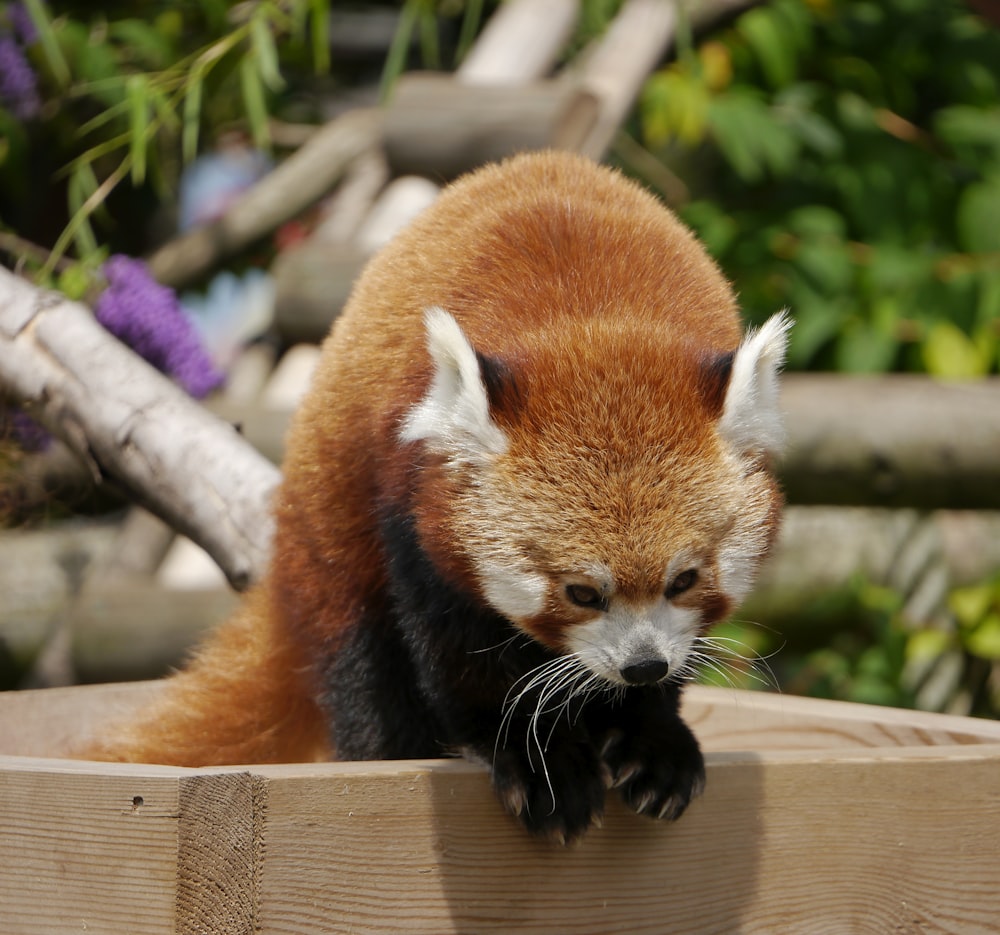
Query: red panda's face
{"type": "Point", "coordinates": [611, 505]}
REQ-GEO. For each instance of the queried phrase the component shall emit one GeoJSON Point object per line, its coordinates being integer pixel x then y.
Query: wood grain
{"type": "Point", "coordinates": [819, 817]}
{"type": "Point", "coordinates": [780, 843]}
{"type": "Point", "coordinates": [85, 850]}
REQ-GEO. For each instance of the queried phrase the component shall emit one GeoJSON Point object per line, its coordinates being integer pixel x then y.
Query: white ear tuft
{"type": "Point", "coordinates": [454, 417]}
{"type": "Point", "coordinates": [750, 420]}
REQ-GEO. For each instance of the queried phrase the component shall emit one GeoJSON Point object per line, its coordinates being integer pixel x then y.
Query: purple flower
{"type": "Point", "coordinates": [27, 432]}
{"type": "Point", "coordinates": [148, 317]}
{"type": "Point", "coordinates": [18, 86]}
{"type": "Point", "coordinates": [22, 23]}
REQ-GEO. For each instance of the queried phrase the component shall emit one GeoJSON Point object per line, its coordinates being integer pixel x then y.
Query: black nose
{"type": "Point", "coordinates": [647, 672]}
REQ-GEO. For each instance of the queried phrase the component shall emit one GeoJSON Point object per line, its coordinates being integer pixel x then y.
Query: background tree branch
{"type": "Point", "coordinates": [130, 423]}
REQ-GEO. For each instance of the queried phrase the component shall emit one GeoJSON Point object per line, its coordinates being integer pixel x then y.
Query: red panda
{"type": "Point", "coordinates": [532, 469]}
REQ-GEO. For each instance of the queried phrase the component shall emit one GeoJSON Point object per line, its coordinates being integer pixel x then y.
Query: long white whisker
{"type": "Point", "coordinates": [723, 655]}
{"type": "Point", "coordinates": [551, 689]}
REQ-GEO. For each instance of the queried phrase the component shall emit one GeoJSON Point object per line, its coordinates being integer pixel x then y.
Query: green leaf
{"type": "Point", "coordinates": [764, 32]}
{"type": "Point", "coordinates": [817, 324]}
{"type": "Point", "coordinates": [949, 353]}
{"type": "Point", "coordinates": [752, 140]}
{"type": "Point", "coordinates": [255, 103]}
{"type": "Point", "coordinates": [864, 348]}
{"type": "Point", "coordinates": [979, 217]}
{"type": "Point", "coordinates": [962, 125]}
{"type": "Point", "coordinates": [144, 42]}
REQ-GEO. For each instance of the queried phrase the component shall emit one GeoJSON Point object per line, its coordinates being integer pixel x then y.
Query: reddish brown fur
{"type": "Point", "coordinates": [523, 299]}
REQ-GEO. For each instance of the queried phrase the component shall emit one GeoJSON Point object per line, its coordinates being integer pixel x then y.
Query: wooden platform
{"type": "Point", "coordinates": [819, 817]}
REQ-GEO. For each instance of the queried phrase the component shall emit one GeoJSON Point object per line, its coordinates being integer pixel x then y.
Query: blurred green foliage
{"type": "Point", "coordinates": [128, 95]}
{"type": "Point", "coordinates": [859, 644]}
{"type": "Point", "coordinates": [843, 159]}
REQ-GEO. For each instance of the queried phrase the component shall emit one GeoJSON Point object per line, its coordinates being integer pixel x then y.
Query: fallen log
{"type": "Point", "coordinates": [893, 440]}
{"type": "Point", "coordinates": [439, 127]}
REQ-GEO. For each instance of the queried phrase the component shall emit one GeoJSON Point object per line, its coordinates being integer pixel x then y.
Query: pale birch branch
{"type": "Point", "coordinates": [295, 185]}
{"type": "Point", "coordinates": [129, 422]}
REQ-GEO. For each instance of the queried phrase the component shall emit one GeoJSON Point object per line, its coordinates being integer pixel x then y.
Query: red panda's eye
{"type": "Point", "coordinates": [683, 582]}
{"type": "Point", "coordinates": [585, 596]}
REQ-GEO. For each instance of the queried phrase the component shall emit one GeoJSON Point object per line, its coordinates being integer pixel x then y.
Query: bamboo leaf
{"type": "Point", "coordinates": [395, 61]}
{"type": "Point", "coordinates": [254, 102]}
{"type": "Point", "coordinates": [81, 187]}
{"type": "Point", "coordinates": [50, 42]}
{"type": "Point", "coordinates": [430, 49]}
{"type": "Point", "coordinates": [319, 19]}
{"type": "Point", "coordinates": [265, 52]}
{"type": "Point", "coordinates": [471, 17]}
{"type": "Point", "coordinates": [192, 116]}
{"type": "Point", "coordinates": [137, 90]}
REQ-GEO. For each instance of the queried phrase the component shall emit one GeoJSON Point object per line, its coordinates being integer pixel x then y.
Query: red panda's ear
{"type": "Point", "coordinates": [751, 420]}
{"type": "Point", "coordinates": [454, 417]}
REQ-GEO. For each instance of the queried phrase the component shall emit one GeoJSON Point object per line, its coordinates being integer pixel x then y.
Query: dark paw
{"type": "Point", "coordinates": [559, 800]}
{"type": "Point", "coordinates": [658, 776]}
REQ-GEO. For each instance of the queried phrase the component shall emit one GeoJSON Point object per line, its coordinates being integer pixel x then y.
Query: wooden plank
{"type": "Point", "coordinates": [87, 849]}
{"type": "Point", "coordinates": [50, 722]}
{"type": "Point", "coordinates": [866, 842]}
{"type": "Point", "coordinates": [47, 722]}
{"type": "Point", "coordinates": [219, 854]}
{"type": "Point", "coordinates": [126, 849]}
{"type": "Point", "coordinates": [724, 719]}
{"type": "Point", "coordinates": [866, 839]}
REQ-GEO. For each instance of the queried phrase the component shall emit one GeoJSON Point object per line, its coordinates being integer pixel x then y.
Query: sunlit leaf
{"type": "Point", "coordinates": [74, 281]}
{"type": "Point", "coordinates": [984, 639]}
{"type": "Point", "coordinates": [970, 604]}
{"type": "Point", "coordinates": [950, 353]}
{"type": "Point", "coordinates": [674, 106]}
{"type": "Point", "coordinates": [926, 645]}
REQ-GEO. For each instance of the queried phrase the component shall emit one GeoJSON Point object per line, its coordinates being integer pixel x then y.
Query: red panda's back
{"type": "Point", "coordinates": [519, 247]}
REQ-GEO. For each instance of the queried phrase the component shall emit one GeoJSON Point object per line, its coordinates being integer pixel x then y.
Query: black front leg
{"type": "Point", "coordinates": [651, 755]}
{"type": "Point", "coordinates": [549, 775]}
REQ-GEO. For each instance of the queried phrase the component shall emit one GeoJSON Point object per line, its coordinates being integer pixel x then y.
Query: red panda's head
{"type": "Point", "coordinates": [606, 489]}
